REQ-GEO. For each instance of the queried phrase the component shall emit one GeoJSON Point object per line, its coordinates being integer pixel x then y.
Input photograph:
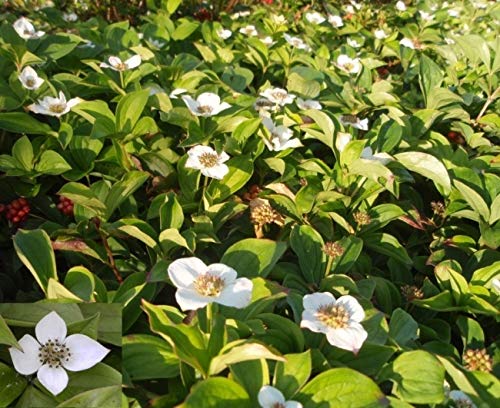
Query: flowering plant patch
{"type": "Point", "coordinates": [295, 203]}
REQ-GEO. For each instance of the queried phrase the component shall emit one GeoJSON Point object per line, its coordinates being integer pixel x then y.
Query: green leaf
{"type": "Point", "coordinates": [252, 375]}
{"type": "Point", "coordinates": [473, 199]}
{"type": "Point", "coordinates": [56, 290]}
{"type": "Point", "coordinates": [171, 215]}
{"type": "Point", "coordinates": [307, 88]}
{"type": "Point", "coordinates": [428, 166]}
{"type": "Point", "coordinates": [409, 383]}
{"type": "Point", "coordinates": [32, 397]}
{"type": "Point", "coordinates": [148, 357]}
{"type": "Point", "coordinates": [326, 125]}
{"type": "Point", "coordinates": [307, 243]}
{"type": "Point", "coordinates": [217, 392]}
{"type": "Point", "coordinates": [129, 110]}
{"type": "Point", "coordinates": [29, 314]}
{"type": "Point", "coordinates": [6, 335]}
{"type": "Point", "coordinates": [12, 385]}
{"type": "Point", "coordinates": [495, 210]}
{"type": "Point", "coordinates": [35, 251]}
{"type": "Point", "coordinates": [388, 245]}
{"type": "Point", "coordinates": [240, 171]}
{"type": "Point", "coordinates": [19, 122]}
{"type": "Point", "coordinates": [341, 387]}
{"type": "Point", "coordinates": [253, 257]}
{"type": "Point", "coordinates": [484, 276]}
{"type": "Point", "coordinates": [292, 374]}
{"type": "Point", "coordinates": [184, 29]}
{"type": "Point", "coordinates": [84, 196]}
{"type": "Point", "coordinates": [52, 163]}
{"type": "Point", "coordinates": [430, 76]}
{"type": "Point", "coordinates": [58, 45]}
{"type": "Point", "coordinates": [403, 329]}
{"type": "Point", "coordinates": [96, 398]}
{"type": "Point", "coordinates": [449, 279]}
{"type": "Point", "coordinates": [122, 190]}
{"type": "Point", "coordinates": [22, 151]}
{"type": "Point", "coordinates": [110, 320]}
{"type": "Point", "coordinates": [352, 249]}
{"type": "Point", "coordinates": [81, 282]}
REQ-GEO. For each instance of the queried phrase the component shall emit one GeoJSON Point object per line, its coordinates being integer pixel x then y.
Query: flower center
{"type": "Point", "coordinates": [463, 403]}
{"type": "Point", "coordinates": [204, 109]}
{"type": "Point", "coordinates": [209, 285]}
{"type": "Point", "coordinates": [278, 405]}
{"type": "Point", "coordinates": [209, 159]}
{"type": "Point", "coordinates": [280, 95]}
{"type": "Point", "coordinates": [53, 353]}
{"type": "Point", "coordinates": [334, 316]}
{"type": "Point", "coordinates": [27, 31]}
{"type": "Point", "coordinates": [57, 107]}
{"type": "Point", "coordinates": [350, 118]}
{"type": "Point", "coordinates": [30, 81]}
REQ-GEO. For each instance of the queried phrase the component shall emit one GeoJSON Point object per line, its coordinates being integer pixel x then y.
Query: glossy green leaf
{"type": "Point", "coordinates": [217, 392]}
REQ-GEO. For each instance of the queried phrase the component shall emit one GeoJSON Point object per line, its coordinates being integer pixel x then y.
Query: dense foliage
{"type": "Point", "coordinates": [296, 194]}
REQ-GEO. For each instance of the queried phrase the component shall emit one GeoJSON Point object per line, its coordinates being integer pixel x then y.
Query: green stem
{"type": "Point", "coordinates": [121, 80]}
{"type": "Point", "coordinates": [203, 190]}
{"type": "Point", "coordinates": [210, 317]}
{"type": "Point", "coordinates": [329, 264]}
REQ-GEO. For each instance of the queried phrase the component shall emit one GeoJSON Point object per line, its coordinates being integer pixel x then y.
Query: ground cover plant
{"type": "Point", "coordinates": [295, 203]}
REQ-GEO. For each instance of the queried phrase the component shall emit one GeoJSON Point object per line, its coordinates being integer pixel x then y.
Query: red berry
{"type": "Point", "coordinates": [16, 204]}
{"type": "Point", "coordinates": [15, 220]}
{"type": "Point", "coordinates": [2, 208]}
{"type": "Point", "coordinates": [22, 201]}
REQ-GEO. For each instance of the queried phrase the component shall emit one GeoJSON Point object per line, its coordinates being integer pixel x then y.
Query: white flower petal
{"type": "Point", "coordinates": [223, 271]}
{"type": "Point", "coordinates": [51, 327]}
{"type": "Point", "coordinates": [182, 272]}
{"type": "Point", "coordinates": [26, 362]}
{"type": "Point", "coordinates": [85, 352]}
{"type": "Point", "coordinates": [191, 104]}
{"type": "Point", "coordinates": [356, 312]}
{"type": "Point", "coordinates": [72, 102]}
{"type": "Point", "coordinates": [223, 157]}
{"type": "Point", "coordinates": [217, 172]}
{"type": "Point", "coordinates": [133, 62]}
{"type": "Point", "coordinates": [269, 396]}
{"type": "Point", "coordinates": [293, 404]}
{"type": "Point", "coordinates": [54, 379]}
{"type": "Point", "coordinates": [350, 338]}
{"type": "Point", "coordinates": [115, 62]}
{"type": "Point", "coordinates": [191, 300]}
{"type": "Point", "coordinates": [315, 300]}
{"type": "Point", "coordinates": [237, 294]}
{"type": "Point", "coordinates": [36, 108]}
{"type": "Point", "coordinates": [208, 99]}
{"type": "Point", "coordinates": [309, 321]}
{"type": "Point", "coordinates": [342, 140]}
{"type": "Point", "coordinates": [220, 108]}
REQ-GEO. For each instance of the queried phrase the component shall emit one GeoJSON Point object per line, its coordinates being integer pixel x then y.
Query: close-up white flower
{"type": "Point", "coordinates": [208, 161]}
{"type": "Point", "coordinates": [249, 30]}
{"type": "Point", "coordinates": [347, 64]}
{"type": "Point", "coordinates": [223, 33]}
{"type": "Point", "coordinates": [52, 353]}
{"type": "Point", "coordinates": [199, 284]}
{"type": "Point", "coordinates": [278, 96]}
{"type": "Point", "coordinates": [271, 397]}
{"type": "Point", "coordinates": [354, 121]}
{"type": "Point", "coordinates": [281, 136]}
{"type": "Point", "coordinates": [315, 18]}
{"type": "Point", "coordinates": [401, 6]}
{"type": "Point", "coordinates": [54, 106]}
{"type": "Point", "coordinates": [70, 17]}
{"type": "Point", "coordinates": [26, 30]}
{"type": "Point", "coordinates": [206, 104]}
{"type": "Point", "coordinates": [380, 34]}
{"type": "Point", "coordinates": [407, 42]}
{"type": "Point", "coordinates": [30, 79]}
{"type": "Point", "coordinates": [116, 64]}
{"type": "Point", "coordinates": [461, 399]}
{"type": "Point", "coordinates": [338, 318]}
{"type": "Point", "coordinates": [308, 104]}
{"type": "Point", "coordinates": [335, 21]}
{"type": "Point", "coordinates": [296, 42]}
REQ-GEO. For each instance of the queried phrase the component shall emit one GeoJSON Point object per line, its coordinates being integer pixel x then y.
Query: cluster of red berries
{"type": "Point", "coordinates": [65, 205]}
{"type": "Point", "coordinates": [17, 211]}
{"type": "Point", "coordinates": [203, 14]}
{"type": "Point", "coordinates": [252, 193]}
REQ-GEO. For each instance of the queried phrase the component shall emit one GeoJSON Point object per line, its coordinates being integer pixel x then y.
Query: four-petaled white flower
{"type": "Point", "coordinates": [70, 17]}
{"type": "Point", "coordinates": [281, 136]}
{"type": "Point", "coordinates": [315, 18]}
{"type": "Point", "coordinates": [347, 64]}
{"type": "Point", "coordinates": [278, 96]}
{"type": "Point", "coordinates": [198, 284]}
{"type": "Point", "coordinates": [224, 34]}
{"type": "Point", "coordinates": [335, 21]}
{"type": "Point", "coordinates": [461, 399]}
{"type": "Point", "coordinates": [249, 30]}
{"type": "Point", "coordinates": [308, 104]}
{"type": "Point", "coordinates": [30, 79]}
{"type": "Point", "coordinates": [380, 34]}
{"type": "Point", "coordinates": [208, 161]}
{"type": "Point", "coordinates": [338, 318]}
{"type": "Point", "coordinates": [381, 157]}
{"type": "Point", "coordinates": [401, 6]}
{"type": "Point", "coordinates": [354, 121]}
{"type": "Point", "coordinates": [353, 43]}
{"type": "Point", "coordinates": [54, 106]}
{"type": "Point", "coordinates": [296, 42]}
{"type": "Point", "coordinates": [207, 104]}
{"type": "Point", "coordinates": [116, 64]}
{"type": "Point", "coordinates": [408, 42]}
{"type": "Point", "coordinates": [270, 397]}
{"type": "Point", "coordinates": [52, 353]}
{"type": "Point", "coordinates": [268, 40]}
{"type": "Point", "coordinates": [26, 30]}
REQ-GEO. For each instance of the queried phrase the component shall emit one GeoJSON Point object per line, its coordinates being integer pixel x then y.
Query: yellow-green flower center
{"type": "Point", "coordinates": [57, 107]}
{"type": "Point", "coordinates": [53, 353]}
{"type": "Point", "coordinates": [209, 159]}
{"type": "Point", "coordinates": [204, 109]}
{"type": "Point", "coordinates": [209, 285]}
{"type": "Point", "coordinates": [334, 316]}
{"type": "Point", "coordinates": [30, 82]}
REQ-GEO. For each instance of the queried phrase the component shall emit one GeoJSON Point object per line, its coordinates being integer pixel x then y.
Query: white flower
{"type": "Point", "coordinates": [264, 106]}
{"type": "Point", "coordinates": [239, 14]}
{"type": "Point", "coordinates": [315, 18]}
{"type": "Point", "coordinates": [270, 397]}
{"type": "Point", "coordinates": [461, 399]}
{"type": "Point", "coordinates": [26, 30]}
{"type": "Point", "coordinates": [347, 64]}
{"type": "Point", "coordinates": [198, 284]}
{"type": "Point", "coordinates": [249, 30]}
{"type": "Point", "coordinates": [354, 121]}
{"type": "Point", "coordinates": [156, 43]}
{"type": "Point", "coordinates": [296, 42]}
{"type": "Point", "coordinates": [54, 106]}
{"type": "Point", "coordinates": [407, 42]}
{"type": "Point", "coordinates": [342, 140]}
{"type": "Point", "coordinates": [338, 319]}
{"type": "Point", "coordinates": [176, 92]}
{"type": "Point", "coordinates": [495, 285]}
{"type": "Point", "coordinates": [70, 17]}
{"type": "Point", "coordinates": [425, 16]}
{"type": "Point", "coordinates": [356, 5]}
{"type": "Point", "coordinates": [349, 9]}
{"type": "Point", "coordinates": [223, 33]}
{"type": "Point", "coordinates": [308, 104]}
{"type": "Point", "coordinates": [353, 43]}
{"type": "Point", "coordinates": [208, 161]}
{"type": "Point", "coordinates": [380, 34]}
{"type": "Point", "coordinates": [267, 40]}
{"type": "Point", "coordinates": [30, 79]}
{"type": "Point", "coordinates": [401, 6]}
{"type": "Point", "coordinates": [335, 21]}
{"type": "Point", "coordinates": [207, 104]}
{"type": "Point", "coordinates": [116, 64]}
{"type": "Point", "coordinates": [278, 95]}
{"type": "Point", "coordinates": [52, 352]}
{"type": "Point", "coordinates": [281, 137]}
{"type": "Point", "coordinates": [383, 158]}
